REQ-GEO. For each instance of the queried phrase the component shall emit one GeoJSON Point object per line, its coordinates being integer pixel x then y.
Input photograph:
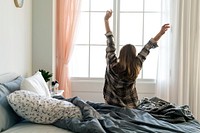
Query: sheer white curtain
{"type": "Point", "coordinates": [179, 70]}
{"type": "Point", "coordinates": [163, 75]}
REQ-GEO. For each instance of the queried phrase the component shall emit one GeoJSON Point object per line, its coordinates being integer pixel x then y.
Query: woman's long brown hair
{"type": "Point", "coordinates": [128, 61]}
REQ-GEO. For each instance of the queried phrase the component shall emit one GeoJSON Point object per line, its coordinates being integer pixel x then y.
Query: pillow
{"type": "Point", "coordinates": [8, 117]}
{"type": "Point", "coordinates": [37, 84]}
{"type": "Point", "coordinates": [40, 109]}
{"type": "Point", "coordinates": [14, 85]}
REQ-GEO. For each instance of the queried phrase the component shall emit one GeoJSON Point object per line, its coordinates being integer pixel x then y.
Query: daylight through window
{"type": "Point", "coordinates": [133, 21]}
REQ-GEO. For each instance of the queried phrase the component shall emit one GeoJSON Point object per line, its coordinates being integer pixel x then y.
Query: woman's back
{"type": "Point", "coordinates": [121, 73]}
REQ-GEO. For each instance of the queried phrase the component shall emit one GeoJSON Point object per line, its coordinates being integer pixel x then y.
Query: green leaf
{"type": "Point", "coordinates": [46, 74]}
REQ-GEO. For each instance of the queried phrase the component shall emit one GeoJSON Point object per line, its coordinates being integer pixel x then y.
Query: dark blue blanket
{"type": "Point", "coordinates": [103, 118]}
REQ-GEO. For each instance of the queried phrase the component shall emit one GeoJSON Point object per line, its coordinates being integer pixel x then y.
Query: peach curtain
{"type": "Point", "coordinates": [66, 18]}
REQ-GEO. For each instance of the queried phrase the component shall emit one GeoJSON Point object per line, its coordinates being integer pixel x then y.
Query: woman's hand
{"type": "Point", "coordinates": [164, 28]}
{"type": "Point", "coordinates": [108, 15]}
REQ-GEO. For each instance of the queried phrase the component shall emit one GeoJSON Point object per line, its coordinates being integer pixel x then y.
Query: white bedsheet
{"type": "Point", "coordinates": [35, 128]}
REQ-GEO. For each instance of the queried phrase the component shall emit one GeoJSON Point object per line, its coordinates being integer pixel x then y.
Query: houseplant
{"type": "Point", "coordinates": [46, 74]}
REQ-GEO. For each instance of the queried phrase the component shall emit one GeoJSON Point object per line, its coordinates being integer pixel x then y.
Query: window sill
{"type": "Point", "coordinates": [139, 81]}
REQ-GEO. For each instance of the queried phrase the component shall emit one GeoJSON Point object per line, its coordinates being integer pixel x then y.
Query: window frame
{"type": "Point", "coordinates": [116, 30]}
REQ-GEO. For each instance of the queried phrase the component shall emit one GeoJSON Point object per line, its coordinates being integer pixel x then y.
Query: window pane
{"type": "Point", "coordinates": [82, 32]}
{"type": "Point", "coordinates": [85, 5]}
{"type": "Point", "coordinates": [150, 30]}
{"type": "Point", "coordinates": [150, 65]}
{"type": "Point", "coordinates": [152, 5]}
{"type": "Point", "coordinates": [98, 61]}
{"type": "Point", "coordinates": [137, 22]}
{"type": "Point", "coordinates": [79, 62]}
{"type": "Point", "coordinates": [131, 30]}
{"type": "Point", "coordinates": [101, 5]}
{"type": "Point", "coordinates": [97, 29]}
{"type": "Point", "coordinates": [131, 5]}
{"type": "Point", "coordinates": [151, 25]}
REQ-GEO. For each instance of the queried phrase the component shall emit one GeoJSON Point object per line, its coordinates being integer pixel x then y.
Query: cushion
{"type": "Point", "coordinates": [7, 77]}
{"type": "Point", "coordinates": [7, 116]}
{"type": "Point", "coordinates": [37, 84]}
{"type": "Point", "coordinates": [41, 109]}
{"type": "Point", "coordinates": [14, 85]}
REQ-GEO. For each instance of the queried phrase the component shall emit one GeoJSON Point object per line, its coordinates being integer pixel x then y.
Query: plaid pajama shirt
{"type": "Point", "coordinates": [117, 91]}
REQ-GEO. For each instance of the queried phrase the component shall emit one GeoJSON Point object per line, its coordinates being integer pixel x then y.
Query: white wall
{"type": "Point", "coordinates": [15, 37]}
{"type": "Point", "coordinates": [27, 36]}
{"type": "Point", "coordinates": [43, 35]}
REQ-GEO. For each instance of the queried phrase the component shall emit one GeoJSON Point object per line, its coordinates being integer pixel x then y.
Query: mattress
{"type": "Point", "coordinates": [27, 127]}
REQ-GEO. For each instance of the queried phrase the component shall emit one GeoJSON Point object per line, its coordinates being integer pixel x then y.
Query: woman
{"type": "Point", "coordinates": [122, 72]}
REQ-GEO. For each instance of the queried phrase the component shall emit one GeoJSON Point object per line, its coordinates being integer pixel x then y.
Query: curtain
{"type": "Point", "coordinates": [163, 74]}
{"type": "Point", "coordinates": [183, 57]}
{"type": "Point", "coordinates": [66, 19]}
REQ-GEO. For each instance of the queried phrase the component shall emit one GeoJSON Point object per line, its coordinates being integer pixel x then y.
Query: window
{"type": "Point", "coordinates": [133, 21]}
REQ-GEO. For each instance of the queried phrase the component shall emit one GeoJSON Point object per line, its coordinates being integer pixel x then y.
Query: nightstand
{"type": "Point", "coordinates": [57, 93]}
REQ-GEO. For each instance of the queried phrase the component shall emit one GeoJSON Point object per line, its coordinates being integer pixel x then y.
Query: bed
{"type": "Point", "coordinates": [153, 115]}
{"type": "Point", "coordinates": [10, 122]}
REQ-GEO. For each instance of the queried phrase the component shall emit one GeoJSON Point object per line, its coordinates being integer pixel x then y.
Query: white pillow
{"type": "Point", "coordinates": [37, 84]}
{"type": "Point", "coordinates": [38, 109]}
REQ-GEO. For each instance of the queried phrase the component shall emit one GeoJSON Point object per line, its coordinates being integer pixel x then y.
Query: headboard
{"type": "Point", "coordinates": [8, 77]}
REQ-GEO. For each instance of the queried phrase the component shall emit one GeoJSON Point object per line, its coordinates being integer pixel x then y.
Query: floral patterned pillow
{"type": "Point", "coordinates": [40, 109]}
